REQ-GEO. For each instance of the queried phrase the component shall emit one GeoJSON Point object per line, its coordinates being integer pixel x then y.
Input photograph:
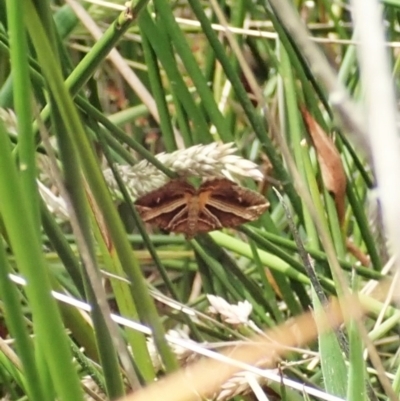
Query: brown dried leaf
{"type": "Point", "coordinates": [332, 170]}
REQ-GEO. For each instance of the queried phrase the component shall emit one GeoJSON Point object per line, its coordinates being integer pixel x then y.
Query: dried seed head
{"type": "Point", "coordinates": [229, 313]}
{"type": "Point", "coordinates": [10, 120]}
{"type": "Point", "coordinates": [238, 384]}
{"type": "Point", "coordinates": [213, 160]}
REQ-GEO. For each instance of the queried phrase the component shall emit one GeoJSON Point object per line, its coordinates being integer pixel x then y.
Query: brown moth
{"type": "Point", "coordinates": [179, 207]}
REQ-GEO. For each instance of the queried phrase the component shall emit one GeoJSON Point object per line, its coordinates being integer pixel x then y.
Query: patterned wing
{"type": "Point", "coordinates": [230, 204]}
{"type": "Point", "coordinates": [162, 205]}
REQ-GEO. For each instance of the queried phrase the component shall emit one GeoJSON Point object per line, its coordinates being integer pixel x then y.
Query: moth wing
{"type": "Point", "coordinates": [171, 191]}
{"type": "Point", "coordinates": [232, 204]}
{"type": "Point", "coordinates": [148, 216]}
{"type": "Point", "coordinates": [161, 205]}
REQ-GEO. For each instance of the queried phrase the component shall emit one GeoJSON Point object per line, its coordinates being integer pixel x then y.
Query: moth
{"type": "Point", "coordinates": [179, 207]}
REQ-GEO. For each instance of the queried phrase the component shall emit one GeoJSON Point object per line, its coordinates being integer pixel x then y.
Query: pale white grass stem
{"type": "Point", "coordinates": [380, 115]}
{"type": "Point", "coordinates": [380, 112]}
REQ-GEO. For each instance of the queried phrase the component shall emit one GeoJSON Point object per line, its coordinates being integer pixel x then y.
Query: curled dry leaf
{"type": "Point", "coordinates": [332, 170]}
